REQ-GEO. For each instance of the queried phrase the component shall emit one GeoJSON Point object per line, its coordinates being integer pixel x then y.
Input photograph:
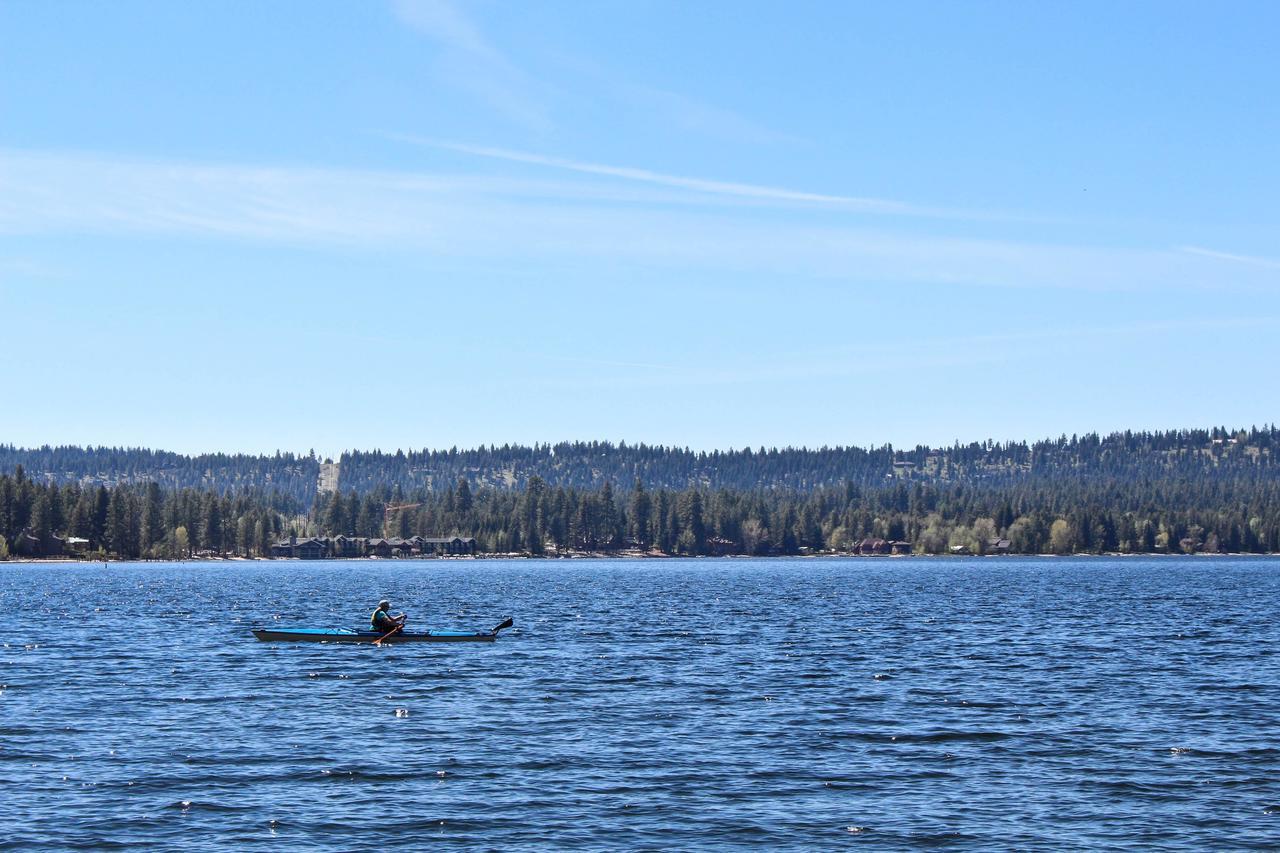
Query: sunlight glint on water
{"type": "Point", "coordinates": [786, 703]}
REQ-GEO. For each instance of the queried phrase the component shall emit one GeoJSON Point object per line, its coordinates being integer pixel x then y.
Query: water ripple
{"type": "Point", "coordinates": [788, 704]}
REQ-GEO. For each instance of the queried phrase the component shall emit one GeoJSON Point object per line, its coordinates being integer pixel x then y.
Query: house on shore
{"type": "Point", "coordinates": [310, 548]}
{"type": "Point", "coordinates": [27, 544]}
{"type": "Point", "coordinates": [872, 546]}
{"type": "Point", "coordinates": [719, 546]}
{"type": "Point", "coordinates": [452, 546]}
{"type": "Point", "coordinates": [880, 547]}
{"type": "Point", "coordinates": [997, 545]}
{"type": "Point", "coordinates": [347, 547]}
{"type": "Point", "coordinates": [350, 547]}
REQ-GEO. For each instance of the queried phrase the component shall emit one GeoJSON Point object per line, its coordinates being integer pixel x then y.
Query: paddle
{"type": "Point", "coordinates": [399, 625]}
{"type": "Point", "coordinates": [506, 623]}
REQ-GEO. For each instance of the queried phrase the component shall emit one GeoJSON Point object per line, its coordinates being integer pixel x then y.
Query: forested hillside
{"type": "Point", "coordinates": [1139, 516]}
{"type": "Point", "coordinates": [1184, 492]}
{"type": "Point", "coordinates": [1217, 454]}
{"type": "Point", "coordinates": [285, 473]}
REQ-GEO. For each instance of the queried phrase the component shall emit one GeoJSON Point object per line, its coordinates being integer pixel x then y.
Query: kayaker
{"type": "Point", "coordinates": [383, 621]}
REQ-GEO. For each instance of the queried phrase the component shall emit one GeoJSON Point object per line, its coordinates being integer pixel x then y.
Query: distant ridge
{"type": "Point", "coordinates": [1214, 453]}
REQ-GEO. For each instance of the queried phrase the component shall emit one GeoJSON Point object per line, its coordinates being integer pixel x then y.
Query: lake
{"type": "Point", "coordinates": [661, 704]}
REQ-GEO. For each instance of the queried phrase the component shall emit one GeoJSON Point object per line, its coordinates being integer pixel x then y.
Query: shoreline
{"type": "Point", "coordinates": [596, 555]}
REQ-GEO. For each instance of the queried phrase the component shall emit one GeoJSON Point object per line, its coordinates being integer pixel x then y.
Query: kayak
{"type": "Point", "coordinates": [346, 635]}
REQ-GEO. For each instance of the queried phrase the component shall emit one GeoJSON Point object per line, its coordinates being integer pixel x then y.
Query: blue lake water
{"type": "Point", "coordinates": [666, 704]}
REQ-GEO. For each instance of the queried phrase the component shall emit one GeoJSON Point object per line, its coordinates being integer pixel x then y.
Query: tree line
{"type": "Point", "coordinates": [1213, 453]}
{"type": "Point", "coordinates": [142, 520]}
{"type": "Point", "coordinates": [1035, 512]}
{"type": "Point", "coordinates": [290, 475]}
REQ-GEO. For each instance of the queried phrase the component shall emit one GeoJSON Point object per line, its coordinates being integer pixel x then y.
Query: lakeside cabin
{"type": "Point", "coordinates": [453, 546]}
{"type": "Point", "coordinates": [880, 547]}
{"type": "Point", "coordinates": [27, 544]}
{"type": "Point", "coordinates": [339, 547]}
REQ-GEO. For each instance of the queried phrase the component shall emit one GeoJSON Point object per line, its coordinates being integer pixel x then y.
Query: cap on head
{"type": "Point", "coordinates": [383, 604]}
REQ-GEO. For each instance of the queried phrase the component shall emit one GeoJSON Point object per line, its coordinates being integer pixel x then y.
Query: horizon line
{"type": "Point", "coordinates": [14, 448]}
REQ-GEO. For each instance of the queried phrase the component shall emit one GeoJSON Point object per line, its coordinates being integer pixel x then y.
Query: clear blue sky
{"type": "Point", "coordinates": [250, 226]}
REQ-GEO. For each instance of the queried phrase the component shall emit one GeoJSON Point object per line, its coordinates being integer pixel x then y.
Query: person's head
{"type": "Point", "coordinates": [384, 605]}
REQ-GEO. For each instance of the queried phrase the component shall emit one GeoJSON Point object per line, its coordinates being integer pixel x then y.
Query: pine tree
{"type": "Point", "coordinates": [244, 535]}
{"type": "Point", "coordinates": [692, 522]}
{"type": "Point", "coordinates": [608, 517]}
{"type": "Point", "coordinates": [40, 512]}
{"type": "Point", "coordinates": [57, 511]}
{"type": "Point", "coordinates": [641, 514]}
{"type": "Point", "coordinates": [6, 507]}
{"type": "Point", "coordinates": [211, 524]}
{"type": "Point", "coordinates": [532, 531]}
{"type": "Point", "coordinates": [262, 534]}
{"type": "Point", "coordinates": [81, 522]}
{"type": "Point", "coordinates": [370, 517]}
{"type": "Point", "coordinates": [101, 508]}
{"type": "Point", "coordinates": [122, 526]}
{"type": "Point", "coordinates": [558, 520]}
{"type": "Point", "coordinates": [152, 524]}
{"type": "Point", "coordinates": [335, 516]}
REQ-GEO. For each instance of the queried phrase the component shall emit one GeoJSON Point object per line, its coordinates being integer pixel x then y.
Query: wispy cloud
{"type": "Point", "coordinates": [694, 116]}
{"type": "Point", "coordinates": [625, 98]}
{"type": "Point", "coordinates": [443, 21]}
{"type": "Point", "coordinates": [755, 192]}
{"type": "Point", "coordinates": [1228, 256]}
{"type": "Point", "coordinates": [472, 62]}
{"type": "Point", "coordinates": [25, 268]}
{"type": "Point", "coordinates": [571, 222]}
{"type": "Point", "coordinates": [916, 354]}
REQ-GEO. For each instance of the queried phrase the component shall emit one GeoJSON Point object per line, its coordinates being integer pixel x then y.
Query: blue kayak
{"type": "Point", "coordinates": [345, 635]}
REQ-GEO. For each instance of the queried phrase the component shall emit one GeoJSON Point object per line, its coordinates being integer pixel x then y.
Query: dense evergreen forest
{"type": "Point", "coordinates": [1205, 453]}
{"type": "Point", "coordinates": [1177, 492]}
{"type": "Point", "coordinates": [285, 473]}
